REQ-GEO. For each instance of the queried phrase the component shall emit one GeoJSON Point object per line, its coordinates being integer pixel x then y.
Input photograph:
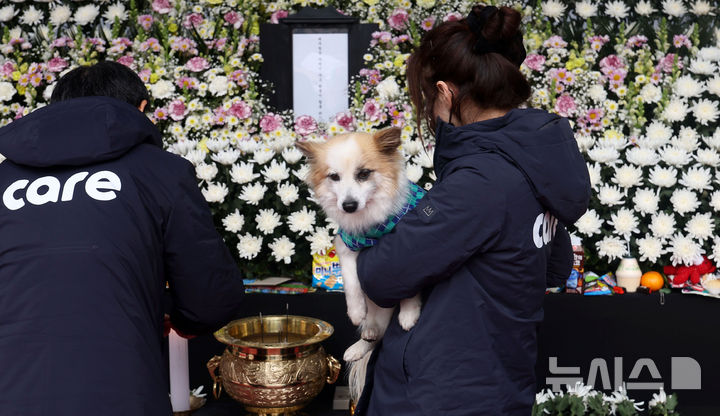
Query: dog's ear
{"type": "Point", "coordinates": [388, 140]}
{"type": "Point", "coordinates": [307, 148]}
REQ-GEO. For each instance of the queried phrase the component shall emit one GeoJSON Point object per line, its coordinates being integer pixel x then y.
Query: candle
{"type": "Point", "coordinates": [179, 373]}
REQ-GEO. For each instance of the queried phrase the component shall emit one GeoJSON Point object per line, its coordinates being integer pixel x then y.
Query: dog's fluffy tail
{"type": "Point", "coordinates": [357, 371]}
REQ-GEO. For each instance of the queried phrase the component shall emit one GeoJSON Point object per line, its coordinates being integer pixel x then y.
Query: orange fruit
{"type": "Point", "coordinates": [652, 280]}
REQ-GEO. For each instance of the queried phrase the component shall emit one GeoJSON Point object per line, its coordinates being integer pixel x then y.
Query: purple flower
{"type": "Point", "coordinates": [565, 105]}
{"type": "Point", "coordinates": [535, 62]}
{"type": "Point", "coordinates": [234, 18]}
{"type": "Point", "coordinates": [177, 110]}
{"type": "Point", "coordinates": [162, 6]}
{"type": "Point", "coordinates": [305, 125]}
{"type": "Point", "coordinates": [197, 64]}
{"type": "Point", "coordinates": [398, 19]}
{"type": "Point", "coordinates": [145, 21]}
{"type": "Point", "coordinates": [270, 122]}
{"type": "Point", "coordinates": [280, 14]}
{"type": "Point", "coordinates": [56, 64]}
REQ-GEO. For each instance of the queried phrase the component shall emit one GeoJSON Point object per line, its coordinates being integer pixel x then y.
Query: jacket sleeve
{"type": "Point", "coordinates": [459, 216]}
{"type": "Point", "coordinates": [560, 261]}
{"type": "Point", "coordinates": [205, 283]}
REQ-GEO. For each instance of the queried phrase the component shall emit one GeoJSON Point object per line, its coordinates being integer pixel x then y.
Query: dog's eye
{"type": "Point", "coordinates": [334, 177]}
{"type": "Point", "coordinates": [363, 174]}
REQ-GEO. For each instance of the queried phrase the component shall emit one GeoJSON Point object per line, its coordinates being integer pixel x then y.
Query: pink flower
{"type": "Point", "coordinates": [616, 77]}
{"type": "Point", "coordinates": [565, 105]}
{"type": "Point", "coordinates": [594, 116]}
{"type": "Point", "coordinates": [667, 63]}
{"type": "Point", "coordinates": [535, 62]}
{"type": "Point", "coordinates": [56, 64]}
{"type": "Point", "coordinates": [636, 41]}
{"type": "Point", "coordinates": [161, 113]}
{"type": "Point", "coordinates": [305, 125]}
{"type": "Point", "coordinates": [62, 42]}
{"type": "Point", "coordinates": [428, 23]}
{"type": "Point", "coordinates": [126, 60]}
{"type": "Point", "coordinates": [398, 19]}
{"type": "Point", "coordinates": [19, 113]}
{"type": "Point", "coordinates": [270, 122]}
{"type": "Point", "coordinates": [162, 6]}
{"type": "Point", "coordinates": [234, 18]}
{"type": "Point", "coordinates": [193, 20]}
{"type": "Point", "coordinates": [372, 110]}
{"type": "Point", "coordinates": [452, 16]}
{"type": "Point", "coordinates": [145, 21]}
{"type": "Point", "coordinates": [145, 75]}
{"type": "Point", "coordinates": [681, 40]}
{"type": "Point", "coordinates": [555, 42]}
{"type": "Point", "coordinates": [240, 109]}
{"type": "Point", "coordinates": [197, 64]}
{"type": "Point", "coordinates": [276, 16]}
{"type": "Point", "coordinates": [187, 83]}
{"type": "Point", "coordinates": [382, 37]}
{"type": "Point", "coordinates": [345, 120]}
{"type": "Point", "coordinates": [611, 63]}
{"type": "Point", "coordinates": [597, 42]}
{"type": "Point", "coordinates": [177, 110]}
{"type": "Point", "coordinates": [240, 78]}
{"type": "Point", "coordinates": [8, 68]}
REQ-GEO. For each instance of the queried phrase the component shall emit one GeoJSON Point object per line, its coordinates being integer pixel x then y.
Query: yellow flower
{"type": "Point", "coordinates": [154, 78]}
{"type": "Point", "coordinates": [214, 2]}
{"type": "Point", "coordinates": [400, 60]}
{"type": "Point", "coordinates": [172, 28]}
{"type": "Point", "coordinates": [202, 145]}
{"type": "Point", "coordinates": [16, 75]}
{"type": "Point", "coordinates": [575, 63]}
{"type": "Point", "coordinates": [426, 4]}
{"type": "Point", "coordinates": [371, 2]}
{"type": "Point", "coordinates": [21, 89]}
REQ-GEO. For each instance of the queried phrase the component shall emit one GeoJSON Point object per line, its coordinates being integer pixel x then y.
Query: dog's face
{"type": "Point", "coordinates": [356, 176]}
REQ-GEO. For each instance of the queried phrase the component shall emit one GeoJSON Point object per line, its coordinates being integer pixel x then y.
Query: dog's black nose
{"type": "Point", "coordinates": [350, 206]}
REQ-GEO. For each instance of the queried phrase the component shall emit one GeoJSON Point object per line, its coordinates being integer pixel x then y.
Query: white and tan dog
{"type": "Point", "coordinates": [359, 180]}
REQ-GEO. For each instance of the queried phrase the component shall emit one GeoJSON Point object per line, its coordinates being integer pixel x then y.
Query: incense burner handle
{"type": "Point", "coordinates": [212, 367]}
{"type": "Point", "coordinates": [333, 366]}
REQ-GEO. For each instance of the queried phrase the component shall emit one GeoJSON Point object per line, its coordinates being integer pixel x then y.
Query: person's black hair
{"type": "Point", "coordinates": [106, 78]}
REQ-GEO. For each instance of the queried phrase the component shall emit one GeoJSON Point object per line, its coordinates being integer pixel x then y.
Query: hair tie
{"type": "Point", "coordinates": [476, 24]}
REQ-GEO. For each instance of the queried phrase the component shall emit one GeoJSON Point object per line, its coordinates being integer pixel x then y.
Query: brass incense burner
{"type": "Point", "coordinates": [273, 365]}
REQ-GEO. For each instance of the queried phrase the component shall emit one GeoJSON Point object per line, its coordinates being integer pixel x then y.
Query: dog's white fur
{"type": "Point", "coordinates": [337, 176]}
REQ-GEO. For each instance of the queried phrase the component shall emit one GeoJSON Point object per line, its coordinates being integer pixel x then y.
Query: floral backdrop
{"type": "Point", "coordinates": [638, 80]}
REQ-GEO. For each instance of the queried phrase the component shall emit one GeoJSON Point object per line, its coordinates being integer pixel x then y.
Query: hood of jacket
{"type": "Point", "coordinates": [541, 145]}
{"type": "Point", "coordinates": [77, 132]}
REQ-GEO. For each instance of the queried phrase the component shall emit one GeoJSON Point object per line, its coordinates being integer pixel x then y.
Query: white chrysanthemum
{"type": "Point", "coordinates": [424, 159]}
{"type": "Point", "coordinates": [624, 222]}
{"type": "Point", "coordinates": [705, 111]}
{"type": "Point", "coordinates": [642, 156]}
{"type": "Point", "coordinates": [714, 140]}
{"type": "Point", "coordinates": [302, 173]}
{"type": "Point", "coordinates": [595, 177]}
{"type": "Point", "coordinates": [658, 134]}
{"type": "Point", "coordinates": [627, 176]}
{"type": "Point", "coordinates": [248, 146]}
{"type": "Point", "coordinates": [267, 220]}
{"type": "Point", "coordinates": [611, 247]}
{"type": "Point", "coordinates": [388, 89]}
{"type": "Point", "coordinates": [215, 192]}
{"type": "Point", "coordinates": [684, 201]}
{"type": "Point", "coordinates": [7, 13]}
{"type": "Point", "coordinates": [701, 226]}
{"type": "Point", "coordinates": [715, 201]}
{"type": "Point", "coordinates": [552, 8]}
{"type": "Point", "coordinates": [646, 201]}
{"type": "Point", "coordinates": [650, 93]}
{"type": "Point", "coordinates": [262, 156]}
{"type": "Point", "coordinates": [206, 172]}
{"type": "Point", "coordinates": [674, 8]}
{"type": "Point", "coordinates": [115, 11]}
{"type": "Point", "coordinates": [708, 157]}
{"type": "Point", "coordinates": [162, 89]}
{"type": "Point", "coordinates": [413, 171]}
{"type": "Point", "coordinates": [597, 92]}
{"type": "Point", "coordinates": [610, 195]}
{"type": "Point", "coordinates": [249, 246]}
{"type": "Point", "coordinates": [282, 249]}
{"type": "Point", "coordinates": [60, 14]}
{"type": "Point", "coordinates": [662, 225]}
{"type": "Point", "coordinates": [276, 172]}
{"type": "Point", "coordinates": [687, 86]}
{"type": "Point", "coordinates": [650, 248]}
{"type": "Point", "coordinates": [709, 53]}
{"type": "Point", "coordinates": [701, 8]}
{"type": "Point", "coordinates": [217, 145]}
{"type": "Point", "coordinates": [288, 193]}
{"type": "Point", "coordinates": [243, 173]}
{"type": "Point", "coordinates": [86, 14]}
{"type": "Point", "coordinates": [703, 67]}
{"type": "Point", "coordinates": [32, 16]}
{"type": "Point", "coordinates": [616, 9]}
{"type": "Point", "coordinates": [292, 155]}
{"type": "Point", "coordinates": [715, 255]}
{"type": "Point", "coordinates": [301, 221]}
{"type": "Point", "coordinates": [586, 9]}
{"type": "Point", "coordinates": [675, 156]}
{"type": "Point", "coordinates": [687, 139]}
{"type": "Point", "coordinates": [253, 193]}
{"type": "Point", "coordinates": [663, 177]}
{"type": "Point", "coordinates": [644, 8]}
{"type": "Point", "coordinates": [589, 224]}
{"type": "Point", "coordinates": [234, 222]}
{"type": "Point", "coordinates": [226, 157]}
{"type": "Point", "coordinates": [7, 91]}
{"type": "Point", "coordinates": [603, 154]}
{"type": "Point", "coordinates": [219, 86]}
{"type": "Point", "coordinates": [676, 110]}
{"type": "Point", "coordinates": [584, 141]}
{"type": "Point", "coordinates": [613, 138]}
{"type": "Point", "coordinates": [196, 156]}
{"type": "Point", "coordinates": [411, 147]}
{"type": "Point", "coordinates": [713, 85]}
{"type": "Point", "coordinates": [320, 241]}
{"type": "Point", "coordinates": [684, 250]}
{"type": "Point", "coordinates": [697, 178]}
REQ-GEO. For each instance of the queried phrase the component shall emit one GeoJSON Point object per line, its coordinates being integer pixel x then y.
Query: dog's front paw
{"type": "Point", "coordinates": [357, 351]}
{"type": "Point", "coordinates": [408, 316]}
{"type": "Point", "coordinates": [357, 310]}
{"type": "Point", "coordinates": [370, 332]}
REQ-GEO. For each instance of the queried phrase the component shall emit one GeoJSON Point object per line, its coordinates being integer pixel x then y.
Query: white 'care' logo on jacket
{"type": "Point", "coordinates": [100, 186]}
{"type": "Point", "coordinates": [544, 229]}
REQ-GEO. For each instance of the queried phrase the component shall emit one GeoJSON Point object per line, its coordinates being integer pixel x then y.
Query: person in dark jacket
{"type": "Point", "coordinates": [483, 242]}
{"type": "Point", "coordinates": [96, 217]}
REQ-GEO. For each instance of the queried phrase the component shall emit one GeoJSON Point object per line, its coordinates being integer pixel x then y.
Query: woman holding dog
{"type": "Point", "coordinates": [483, 243]}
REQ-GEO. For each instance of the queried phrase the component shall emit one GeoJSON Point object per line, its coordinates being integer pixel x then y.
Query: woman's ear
{"type": "Point", "coordinates": [445, 92]}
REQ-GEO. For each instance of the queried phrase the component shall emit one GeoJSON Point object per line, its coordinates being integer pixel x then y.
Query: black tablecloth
{"type": "Point", "coordinates": [633, 339]}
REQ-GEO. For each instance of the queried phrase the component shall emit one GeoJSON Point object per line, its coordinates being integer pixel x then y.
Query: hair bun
{"type": "Point", "coordinates": [497, 31]}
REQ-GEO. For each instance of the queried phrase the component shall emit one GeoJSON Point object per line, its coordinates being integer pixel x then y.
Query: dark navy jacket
{"type": "Point", "coordinates": [480, 246]}
{"type": "Point", "coordinates": [95, 217]}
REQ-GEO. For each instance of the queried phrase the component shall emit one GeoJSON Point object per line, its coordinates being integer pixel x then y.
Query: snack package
{"type": "Point", "coordinates": [609, 279]}
{"type": "Point", "coordinates": [326, 271]}
{"type": "Point", "coordinates": [578, 253]}
{"type": "Point", "coordinates": [574, 282]}
{"type": "Point", "coordinates": [596, 287]}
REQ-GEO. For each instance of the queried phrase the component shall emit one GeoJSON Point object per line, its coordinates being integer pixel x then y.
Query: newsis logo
{"type": "Point", "coordinates": [100, 186]}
